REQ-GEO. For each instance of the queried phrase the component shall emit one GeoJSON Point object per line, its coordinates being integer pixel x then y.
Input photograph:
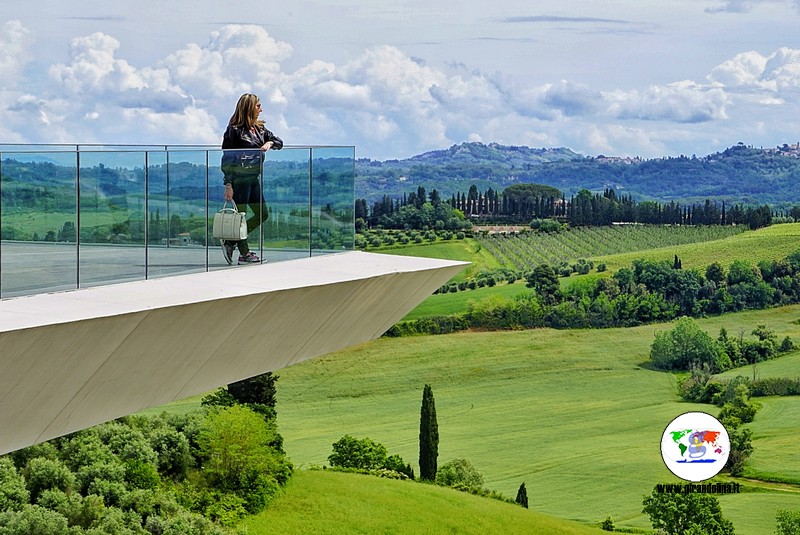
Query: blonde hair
{"type": "Point", "coordinates": [246, 114]}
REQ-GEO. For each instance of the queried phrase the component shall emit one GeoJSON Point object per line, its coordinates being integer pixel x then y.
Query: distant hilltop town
{"type": "Point", "coordinates": [791, 151]}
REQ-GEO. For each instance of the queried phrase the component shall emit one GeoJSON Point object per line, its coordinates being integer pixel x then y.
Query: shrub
{"type": "Point", "coordinates": [33, 519]}
{"type": "Point", "coordinates": [459, 473]}
{"type": "Point", "coordinates": [678, 514]}
{"type": "Point", "coordinates": [13, 494]}
{"type": "Point", "coordinates": [686, 345]}
{"type": "Point", "coordinates": [787, 522]}
{"type": "Point", "coordinates": [741, 448]}
{"type": "Point", "coordinates": [350, 452]}
{"type": "Point", "coordinates": [775, 386]}
{"type": "Point", "coordinates": [607, 524]}
{"type": "Point", "coordinates": [695, 387]}
{"type": "Point", "coordinates": [739, 410]}
{"type": "Point", "coordinates": [43, 474]}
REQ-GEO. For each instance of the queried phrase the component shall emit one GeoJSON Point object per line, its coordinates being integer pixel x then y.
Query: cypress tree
{"type": "Point", "coordinates": [428, 436]}
{"type": "Point", "coordinates": [522, 496]}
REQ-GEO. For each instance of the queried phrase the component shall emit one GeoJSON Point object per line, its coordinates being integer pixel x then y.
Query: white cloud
{"type": "Point", "coordinates": [382, 100]}
{"type": "Point", "coordinates": [684, 102]}
{"type": "Point", "coordinates": [783, 67]}
{"type": "Point", "coordinates": [777, 72]}
{"type": "Point", "coordinates": [744, 69]}
{"type": "Point", "coordinates": [14, 42]}
{"type": "Point", "coordinates": [237, 59]}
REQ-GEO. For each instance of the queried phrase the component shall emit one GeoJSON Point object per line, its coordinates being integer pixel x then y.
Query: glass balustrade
{"type": "Point", "coordinates": [75, 216]}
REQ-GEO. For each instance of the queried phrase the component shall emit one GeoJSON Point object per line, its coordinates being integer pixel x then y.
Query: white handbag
{"type": "Point", "coordinates": [230, 224]}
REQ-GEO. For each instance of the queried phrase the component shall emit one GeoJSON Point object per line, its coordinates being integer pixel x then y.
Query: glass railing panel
{"type": "Point", "coordinates": [332, 194]}
{"type": "Point", "coordinates": [111, 221]}
{"type": "Point", "coordinates": [245, 169]}
{"type": "Point", "coordinates": [83, 215]}
{"type": "Point", "coordinates": [38, 221]}
{"type": "Point", "coordinates": [287, 191]}
{"type": "Point", "coordinates": [177, 213]}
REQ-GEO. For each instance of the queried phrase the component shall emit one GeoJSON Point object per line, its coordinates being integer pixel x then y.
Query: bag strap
{"type": "Point", "coordinates": [235, 209]}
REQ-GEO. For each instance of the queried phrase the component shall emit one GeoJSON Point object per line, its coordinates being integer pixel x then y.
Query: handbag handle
{"type": "Point", "coordinates": [235, 209]}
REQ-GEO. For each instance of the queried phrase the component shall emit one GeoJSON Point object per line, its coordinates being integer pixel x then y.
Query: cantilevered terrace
{"type": "Point", "coordinates": [114, 297]}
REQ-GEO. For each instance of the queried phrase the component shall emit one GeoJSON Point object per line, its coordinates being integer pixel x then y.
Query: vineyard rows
{"type": "Point", "coordinates": [527, 250]}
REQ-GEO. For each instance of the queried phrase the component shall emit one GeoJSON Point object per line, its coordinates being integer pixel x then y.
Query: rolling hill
{"type": "Point", "coordinates": [738, 174]}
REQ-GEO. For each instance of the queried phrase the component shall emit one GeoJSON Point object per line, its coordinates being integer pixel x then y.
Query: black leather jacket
{"type": "Point", "coordinates": [245, 162]}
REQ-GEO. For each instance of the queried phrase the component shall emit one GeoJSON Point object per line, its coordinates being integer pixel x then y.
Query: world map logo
{"type": "Point", "coordinates": [695, 446]}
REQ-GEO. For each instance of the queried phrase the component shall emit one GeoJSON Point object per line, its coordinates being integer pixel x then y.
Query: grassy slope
{"type": "Point", "coordinates": [331, 503]}
{"type": "Point", "coordinates": [773, 242]}
{"type": "Point", "coordinates": [468, 250]}
{"type": "Point", "coordinates": [570, 413]}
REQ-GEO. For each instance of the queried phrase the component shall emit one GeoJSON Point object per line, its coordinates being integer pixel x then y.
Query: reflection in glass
{"type": "Point", "coordinates": [332, 215]}
{"type": "Point", "coordinates": [79, 216]}
{"type": "Point", "coordinates": [38, 222]}
{"type": "Point", "coordinates": [111, 217]}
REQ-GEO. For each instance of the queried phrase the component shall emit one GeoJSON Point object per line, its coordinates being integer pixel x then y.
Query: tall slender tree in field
{"type": "Point", "coordinates": [522, 496]}
{"type": "Point", "coordinates": [428, 436]}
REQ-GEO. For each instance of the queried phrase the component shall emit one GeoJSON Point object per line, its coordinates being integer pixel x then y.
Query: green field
{"type": "Point", "coordinates": [331, 503]}
{"type": "Point", "coordinates": [770, 243]}
{"type": "Point", "coordinates": [527, 250]}
{"type": "Point", "coordinates": [467, 250]}
{"type": "Point", "coordinates": [788, 366]}
{"type": "Point", "coordinates": [573, 414]}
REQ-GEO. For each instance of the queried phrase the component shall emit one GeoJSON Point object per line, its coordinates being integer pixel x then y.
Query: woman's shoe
{"type": "Point", "coordinates": [249, 258]}
{"type": "Point", "coordinates": [227, 250]}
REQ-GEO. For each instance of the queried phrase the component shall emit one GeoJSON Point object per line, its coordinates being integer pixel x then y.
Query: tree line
{"type": "Point", "coordinates": [523, 203]}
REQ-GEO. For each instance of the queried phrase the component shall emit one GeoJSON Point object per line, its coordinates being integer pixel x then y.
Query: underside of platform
{"type": "Point", "coordinates": [75, 359]}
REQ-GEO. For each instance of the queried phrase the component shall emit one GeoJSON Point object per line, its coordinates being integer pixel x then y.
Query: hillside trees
{"type": "Point", "coordinates": [648, 292]}
{"type": "Point", "coordinates": [235, 445]}
{"type": "Point", "coordinates": [192, 473]}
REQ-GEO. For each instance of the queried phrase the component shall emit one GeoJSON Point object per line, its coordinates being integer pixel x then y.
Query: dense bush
{"type": "Point", "coordinates": [366, 455]}
{"type": "Point", "coordinates": [787, 522]}
{"type": "Point", "coordinates": [459, 473]}
{"type": "Point", "coordinates": [775, 386]}
{"type": "Point", "coordinates": [679, 514]}
{"type": "Point", "coordinates": [686, 345]}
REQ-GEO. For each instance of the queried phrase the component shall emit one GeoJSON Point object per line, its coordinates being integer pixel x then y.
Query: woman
{"type": "Point", "coordinates": [242, 169]}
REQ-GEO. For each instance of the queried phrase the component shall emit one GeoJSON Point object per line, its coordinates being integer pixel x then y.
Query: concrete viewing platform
{"type": "Point", "coordinates": [73, 359]}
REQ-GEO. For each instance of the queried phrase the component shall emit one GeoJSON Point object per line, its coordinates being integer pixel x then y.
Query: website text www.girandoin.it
{"type": "Point", "coordinates": [701, 488]}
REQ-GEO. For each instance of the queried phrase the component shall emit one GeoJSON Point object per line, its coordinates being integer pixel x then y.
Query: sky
{"type": "Point", "coordinates": [402, 77]}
